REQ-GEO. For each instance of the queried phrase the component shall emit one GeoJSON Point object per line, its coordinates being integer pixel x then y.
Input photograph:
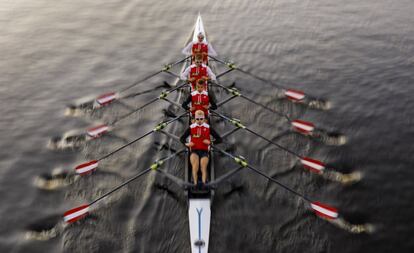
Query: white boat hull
{"type": "Point", "coordinates": [199, 215]}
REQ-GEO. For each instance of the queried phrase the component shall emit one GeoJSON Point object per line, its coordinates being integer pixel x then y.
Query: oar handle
{"type": "Point", "coordinates": [154, 166]}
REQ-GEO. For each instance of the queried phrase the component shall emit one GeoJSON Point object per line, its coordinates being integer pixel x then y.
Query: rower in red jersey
{"type": "Point", "coordinates": [200, 99]}
{"type": "Point", "coordinates": [200, 47]}
{"type": "Point", "coordinates": [197, 71]}
{"type": "Point", "coordinates": [199, 145]}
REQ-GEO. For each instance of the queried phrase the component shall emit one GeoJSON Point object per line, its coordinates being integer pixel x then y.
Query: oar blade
{"type": "Point", "coordinates": [106, 99]}
{"type": "Point", "coordinates": [324, 211]}
{"type": "Point", "coordinates": [97, 131]}
{"type": "Point", "coordinates": [313, 165]}
{"type": "Point", "coordinates": [86, 168]}
{"type": "Point", "coordinates": [76, 214]}
{"type": "Point", "coordinates": [303, 127]}
{"type": "Point", "coordinates": [294, 95]}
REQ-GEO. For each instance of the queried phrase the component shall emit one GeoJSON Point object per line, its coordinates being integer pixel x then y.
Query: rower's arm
{"type": "Point", "coordinates": [184, 74]}
{"type": "Point", "coordinates": [186, 102]}
{"type": "Point", "coordinates": [216, 136]}
{"type": "Point", "coordinates": [211, 74]}
{"type": "Point", "coordinates": [187, 49]}
{"type": "Point", "coordinates": [211, 50]}
{"type": "Point", "coordinates": [185, 135]}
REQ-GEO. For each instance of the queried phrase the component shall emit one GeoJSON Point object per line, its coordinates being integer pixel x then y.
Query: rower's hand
{"type": "Point", "coordinates": [206, 106]}
{"type": "Point", "coordinates": [192, 109]}
{"type": "Point", "coordinates": [190, 144]}
{"type": "Point", "coordinates": [206, 141]}
{"type": "Point", "coordinates": [192, 79]}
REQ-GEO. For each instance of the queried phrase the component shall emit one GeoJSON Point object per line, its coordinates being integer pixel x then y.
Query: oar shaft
{"type": "Point", "coordinates": [265, 107]}
{"type": "Point", "coordinates": [168, 66]}
{"type": "Point", "coordinates": [121, 185]}
{"type": "Point", "coordinates": [160, 162]}
{"type": "Point", "coordinates": [140, 81]}
{"type": "Point", "coordinates": [266, 176]}
{"type": "Point", "coordinates": [259, 135]}
{"type": "Point", "coordinates": [126, 145]}
{"type": "Point", "coordinates": [238, 94]}
{"type": "Point", "coordinates": [225, 72]}
{"type": "Point", "coordinates": [134, 111]}
{"type": "Point", "coordinates": [226, 100]}
{"type": "Point", "coordinates": [224, 177]}
{"type": "Point", "coordinates": [163, 124]}
{"type": "Point", "coordinates": [146, 104]}
{"type": "Point", "coordinates": [272, 142]}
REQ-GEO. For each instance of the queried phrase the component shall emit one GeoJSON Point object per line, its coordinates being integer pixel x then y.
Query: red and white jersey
{"type": "Point", "coordinates": [199, 133]}
{"type": "Point", "coordinates": [188, 50]}
{"type": "Point", "coordinates": [199, 100]}
{"type": "Point", "coordinates": [197, 72]}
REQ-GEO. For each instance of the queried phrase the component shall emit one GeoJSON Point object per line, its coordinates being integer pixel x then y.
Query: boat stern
{"type": "Point", "coordinates": [199, 216]}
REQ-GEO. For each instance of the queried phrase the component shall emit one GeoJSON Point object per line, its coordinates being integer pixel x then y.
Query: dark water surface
{"type": "Point", "coordinates": [359, 55]}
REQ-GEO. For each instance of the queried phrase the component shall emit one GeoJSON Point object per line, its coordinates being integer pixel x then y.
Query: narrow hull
{"type": "Point", "coordinates": [199, 202]}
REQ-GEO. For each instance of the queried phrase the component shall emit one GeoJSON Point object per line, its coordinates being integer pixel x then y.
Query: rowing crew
{"type": "Point", "coordinates": [198, 74]}
{"type": "Point", "coordinates": [199, 131]}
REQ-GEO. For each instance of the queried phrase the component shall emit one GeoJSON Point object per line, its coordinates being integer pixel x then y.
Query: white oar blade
{"type": "Point", "coordinates": [324, 211]}
{"type": "Point", "coordinates": [97, 131]}
{"type": "Point", "coordinates": [312, 164]}
{"type": "Point", "coordinates": [86, 168]}
{"type": "Point", "coordinates": [303, 127]}
{"type": "Point", "coordinates": [106, 98]}
{"type": "Point", "coordinates": [294, 95]}
{"type": "Point", "coordinates": [76, 214]}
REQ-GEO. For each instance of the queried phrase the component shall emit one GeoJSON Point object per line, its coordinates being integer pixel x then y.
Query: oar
{"type": "Point", "coordinates": [109, 97]}
{"type": "Point", "coordinates": [82, 211]}
{"type": "Point", "coordinates": [166, 67]}
{"type": "Point", "coordinates": [291, 94]}
{"type": "Point", "coordinates": [300, 126]}
{"type": "Point", "coordinates": [311, 164]}
{"type": "Point", "coordinates": [98, 131]}
{"type": "Point", "coordinates": [90, 166]}
{"type": "Point", "coordinates": [236, 92]}
{"type": "Point", "coordinates": [320, 209]}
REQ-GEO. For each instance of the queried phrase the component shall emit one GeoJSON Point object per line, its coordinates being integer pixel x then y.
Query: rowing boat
{"type": "Point", "coordinates": [200, 201]}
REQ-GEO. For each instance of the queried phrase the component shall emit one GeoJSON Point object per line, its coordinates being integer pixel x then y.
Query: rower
{"type": "Point", "coordinates": [200, 99]}
{"type": "Point", "coordinates": [199, 145]}
{"type": "Point", "coordinates": [197, 71]}
{"type": "Point", "coordinates": [200, 47]}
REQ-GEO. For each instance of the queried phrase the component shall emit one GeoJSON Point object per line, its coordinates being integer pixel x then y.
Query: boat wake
{"type": "Point", "coordinates": [353, 228]}
{"type": "Point", "coordinates": [45, 229]}
{"type": "Point", "coordinates": [349, 178]}
{"type": "Point", "coordinates": [72, 139]}
{"type": "Point", "coordinates": [57, 179]}
{"type": "Point", "coordinates": [329, 138]}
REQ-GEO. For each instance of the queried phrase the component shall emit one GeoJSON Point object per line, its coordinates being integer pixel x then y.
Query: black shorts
{"type": "Point", "coordinates": [200, 153]}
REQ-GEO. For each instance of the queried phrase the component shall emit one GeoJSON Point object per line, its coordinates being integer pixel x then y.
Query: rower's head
{"type": "Point", "coordinates": [200, 37]}
{"type": "Point", "coordinates": [199, 117]}
{"type": "Point", "coordinates": [198, 59]}
{"type": "Point", "coordinates": [200, 85]}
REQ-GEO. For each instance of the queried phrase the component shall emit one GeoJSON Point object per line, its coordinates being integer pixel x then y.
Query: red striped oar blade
{"type": "Point", "coordinates": [86, 168]}
{"type": "Point", "coordinates": [324, 211]}
{"type": "Point", "coordinates": [303, 127]}
{"type": "Point", "coordinates": [294, 95]}
{"type": "Point", "coordinates": [76, 214]}
{"type": "Point", "coordinates": [312, 164]}
{"type": "Point", "coordinates": [97, 131]}
{"type": "Point", "coordinates": [106, 98]}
